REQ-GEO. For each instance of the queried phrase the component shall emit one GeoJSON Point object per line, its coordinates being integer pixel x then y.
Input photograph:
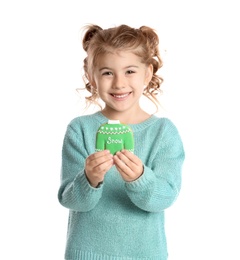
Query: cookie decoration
{"type": "Point", "coordinates": [114, 136]}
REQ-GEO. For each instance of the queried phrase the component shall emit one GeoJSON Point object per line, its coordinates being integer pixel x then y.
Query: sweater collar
{"type": "Point", "coordinates": [135, 127]}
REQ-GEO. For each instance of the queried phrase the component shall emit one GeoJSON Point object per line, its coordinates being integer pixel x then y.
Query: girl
{"type": "Point", "coordinates": [116, 202]}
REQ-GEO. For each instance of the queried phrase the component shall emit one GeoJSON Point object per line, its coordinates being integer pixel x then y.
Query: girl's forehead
{"type": "Point", "coordinates": [120, 55]}
{"type": "Point", "coordinates": [120, 61]}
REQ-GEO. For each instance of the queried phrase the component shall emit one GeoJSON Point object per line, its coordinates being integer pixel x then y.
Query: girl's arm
{"type": "Point", "coordinates": [75, 191]}
{"type": "Point", "coordinates": [158, 187]}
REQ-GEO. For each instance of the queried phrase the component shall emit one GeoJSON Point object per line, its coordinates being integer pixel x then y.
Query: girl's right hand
{"type": "Point", "coordinates": [96, 166]}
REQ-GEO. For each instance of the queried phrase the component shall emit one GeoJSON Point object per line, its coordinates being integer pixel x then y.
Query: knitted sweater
{"type": "Point", "coordinates": [120, 220]}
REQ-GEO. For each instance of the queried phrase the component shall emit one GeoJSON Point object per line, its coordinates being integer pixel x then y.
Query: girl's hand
{"type": "Point", "coordinates": [129, 165]}
{"type": "Point", "coordinates": [96, 166]}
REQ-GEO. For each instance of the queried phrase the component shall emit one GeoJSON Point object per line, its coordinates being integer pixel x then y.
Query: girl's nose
{"type": "Point", "coordinates": [119, 82]}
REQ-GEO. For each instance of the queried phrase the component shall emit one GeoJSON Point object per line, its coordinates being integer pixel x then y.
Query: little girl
{"type": "Point", "coordinates": [117, 201]}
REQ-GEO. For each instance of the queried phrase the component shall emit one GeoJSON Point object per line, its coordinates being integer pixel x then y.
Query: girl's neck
{"type": "Point", "coordinates": [126, 117]}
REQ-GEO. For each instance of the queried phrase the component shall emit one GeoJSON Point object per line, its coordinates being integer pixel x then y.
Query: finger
{"type": "Point", "coordinates": [96, 173]}
{"type": "Point", "coordinates": [131, 157]}
{"type": "Point", "coordinates": [127, 174]}
{"type": "Point", "coordinates": [121, 166]}
{"type": "Point", "coordinates": [120, 161]}
{"type": "Point", "coordinates": [98, 158]}
{"type": "Point", "coordinates": [131, 161]}
{"type": "Point", "coordinates": [124, 171]}
{"type": "Point", "coordinates": [130, 168]}
{"type": "Point", "coordinates": [104, 166]}
{"type": "Point", "coordinates": [97, 155]}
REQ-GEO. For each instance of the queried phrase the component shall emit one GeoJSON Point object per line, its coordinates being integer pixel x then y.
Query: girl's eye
{"type": "Point", "coordinates": [107, 73]}
{"type": "Point", "coordinates": [130, 72]}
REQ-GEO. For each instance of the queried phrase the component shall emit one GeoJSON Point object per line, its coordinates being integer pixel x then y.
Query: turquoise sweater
{"type": "Point", "coordinates": [120, 220]}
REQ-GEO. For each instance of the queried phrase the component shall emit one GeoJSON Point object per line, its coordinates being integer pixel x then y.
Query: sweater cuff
{"type": "Point", "coordinates": [99, 184]}
{"type": "Point", "coordinates": [83, 179]}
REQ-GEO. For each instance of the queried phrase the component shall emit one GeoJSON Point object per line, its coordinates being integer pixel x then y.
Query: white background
{"type": "Point", "coordinates": [40, 68]}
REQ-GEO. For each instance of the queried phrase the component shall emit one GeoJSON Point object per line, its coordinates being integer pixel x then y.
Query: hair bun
{"type": "Point", "coordinates": [90, 32]}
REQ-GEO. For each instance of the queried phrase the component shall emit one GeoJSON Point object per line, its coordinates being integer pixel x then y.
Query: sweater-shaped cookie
{"type": "Point", "coordinates": [114, 136]}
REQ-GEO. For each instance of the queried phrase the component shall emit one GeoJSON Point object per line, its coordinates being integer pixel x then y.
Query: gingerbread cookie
{"type": "Point", "coordinates": [114, 136]}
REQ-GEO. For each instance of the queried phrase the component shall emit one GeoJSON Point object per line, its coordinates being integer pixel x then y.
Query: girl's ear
{"type": "Point", "coordinates": [149, 74]}
{"type": "Point", "coordinates": [92, 82]}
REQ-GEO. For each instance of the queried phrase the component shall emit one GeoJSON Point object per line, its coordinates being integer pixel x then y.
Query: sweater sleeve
{"type": "Point", "coordinates": [75, 192]}
{"type": "Point", "coordinates": [160, 184]}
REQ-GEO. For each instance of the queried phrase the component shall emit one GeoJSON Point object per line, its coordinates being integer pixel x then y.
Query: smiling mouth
{"type": "Point", "coordinates": [121, 96]}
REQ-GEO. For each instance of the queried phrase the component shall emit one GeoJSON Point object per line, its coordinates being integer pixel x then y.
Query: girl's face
{"type": "Point", "coordinates": [120, 78]}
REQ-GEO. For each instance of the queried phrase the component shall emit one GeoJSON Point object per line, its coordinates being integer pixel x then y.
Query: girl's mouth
{"type": "Point", "coordinates": [121, 96]}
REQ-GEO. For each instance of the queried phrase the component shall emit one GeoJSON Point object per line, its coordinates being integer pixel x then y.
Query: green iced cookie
{"type": "Point", "coordinates": [114, 136]}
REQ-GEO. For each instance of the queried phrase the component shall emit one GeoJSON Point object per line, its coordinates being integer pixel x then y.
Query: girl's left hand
{"type": "Point", "coordinates": [129, 165]}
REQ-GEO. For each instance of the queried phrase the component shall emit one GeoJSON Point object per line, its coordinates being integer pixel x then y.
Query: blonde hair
{"type": "Point", "coordinates": [143, 42]}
